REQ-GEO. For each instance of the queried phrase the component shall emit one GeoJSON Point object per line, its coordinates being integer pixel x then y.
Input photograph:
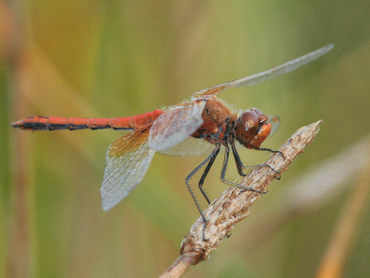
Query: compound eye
{"type": "Point", "coordinates": [249, 119]}
{"type": "Point", "coordinates": [258, 112]}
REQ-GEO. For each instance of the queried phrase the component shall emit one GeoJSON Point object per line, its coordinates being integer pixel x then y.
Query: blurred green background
{"type": "Point", "coordinates": [122, 58]}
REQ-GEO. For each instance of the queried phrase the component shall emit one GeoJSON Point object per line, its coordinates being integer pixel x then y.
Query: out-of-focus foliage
{"type": "Point", "coordinates": [121, 58]}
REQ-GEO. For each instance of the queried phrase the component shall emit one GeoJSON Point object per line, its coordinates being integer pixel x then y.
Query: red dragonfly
{"type": "Point", "coordinates": [176, 131]}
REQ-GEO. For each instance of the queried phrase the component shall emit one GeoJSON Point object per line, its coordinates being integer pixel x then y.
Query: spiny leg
{"type": "Point", "coordinates": [223, 172]}
{"type": "Point", "coordinates": [238, 162]}
{"type": "Point", "coordinates": [212, 155]}
{"type": "Point", "coordinates": [268, 150]}
{"type": "Point", "coordinates": [271, 151]}
{"type": "Point", "coordinates": [205, 173]}
{"type": "Point", "coordinates": [240, 165]}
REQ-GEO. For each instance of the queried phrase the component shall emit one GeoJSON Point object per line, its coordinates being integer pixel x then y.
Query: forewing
{"type": "Point", "coordinates": [190, 147]}
{"type": "Point", "coordinates": [268, 74]}
{"type": "Point", "coordinates": [128, 159]}
{"type": "Point", "coordinates": [176, 124]}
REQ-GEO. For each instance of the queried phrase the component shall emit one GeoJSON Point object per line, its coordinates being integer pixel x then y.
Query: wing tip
{"type": "Point", "coordinates": [160, 146]}
{"type": "Point", "coordinates": [327, 48]}
{"type": "Point", "coordinates": [107, 205]}
{"type": "Point", "coordinates": [107, 201]}
{"type": "Point", "coordinates": [330, 46]}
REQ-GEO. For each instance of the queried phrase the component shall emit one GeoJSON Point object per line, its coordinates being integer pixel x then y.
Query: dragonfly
{"type": "Point", "coordinates": [198, 127]}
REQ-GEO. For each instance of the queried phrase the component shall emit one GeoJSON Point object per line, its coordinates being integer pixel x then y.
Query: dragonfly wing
{"type": "Point", "coordinates": [275, 124]}
{"type": "Point", "coordinates": [268, 74]}
{"type": "Point", "coordinates": [128, 158]}
{"type": "Point", "coordinates": [190, 147]}
{"type": "Point", "coordinates": [176, 124]}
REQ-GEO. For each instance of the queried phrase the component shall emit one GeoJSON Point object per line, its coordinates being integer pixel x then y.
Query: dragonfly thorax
{"type": "Point", "coordinates": [252, 128]}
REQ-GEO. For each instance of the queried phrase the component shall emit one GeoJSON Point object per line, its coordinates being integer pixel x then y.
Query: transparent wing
{"type": "Point", "coordinates": [275, 124]}
{"type": "Point", "coordinates": [175, 125]}
{"type": "Point", "coordinates": [268, 74]}
{"type": "Point", "coordinates": [128, 158]}
{"type": "Point", "coordinates": [197, 147]}
{"type": "Point", "coordinates": [190, 147]}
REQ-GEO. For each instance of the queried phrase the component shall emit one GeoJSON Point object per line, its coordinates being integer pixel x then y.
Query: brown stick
{"type": "Point", "coordinates": [234, 204]}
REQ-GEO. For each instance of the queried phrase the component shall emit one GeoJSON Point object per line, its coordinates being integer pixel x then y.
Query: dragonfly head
{"type": "Point", "coordinates": [252, 128]}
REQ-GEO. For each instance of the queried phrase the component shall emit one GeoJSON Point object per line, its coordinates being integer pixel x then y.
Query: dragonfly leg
{"type": "Point", "coordinates": [211, 157]}
{"type": "Point", "coordinates": [271, 151]}
{"type": "Point", "coordinates": [238, 162]}
{"type": "Point", "coordinates": [223, 172]}
{"type": "Point", "coordinates": [205, 173]}
{"type": "Point", "coordinates": [240, 165]}
{"type": "Point", "coordinates": [268, 150]}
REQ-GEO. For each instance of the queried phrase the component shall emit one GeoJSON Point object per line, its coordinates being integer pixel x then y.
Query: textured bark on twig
{"type": "Point", "coordinates": [234, 204]}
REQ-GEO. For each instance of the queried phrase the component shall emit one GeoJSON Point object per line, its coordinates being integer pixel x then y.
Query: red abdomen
{"type": "Point", "coordinates": [56, 123]}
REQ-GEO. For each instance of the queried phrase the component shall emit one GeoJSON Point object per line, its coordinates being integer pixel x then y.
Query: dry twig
{"type": "Point", "coordinates": [314, 189]}
{"type": "Point", "coordinates": [234, 204]}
